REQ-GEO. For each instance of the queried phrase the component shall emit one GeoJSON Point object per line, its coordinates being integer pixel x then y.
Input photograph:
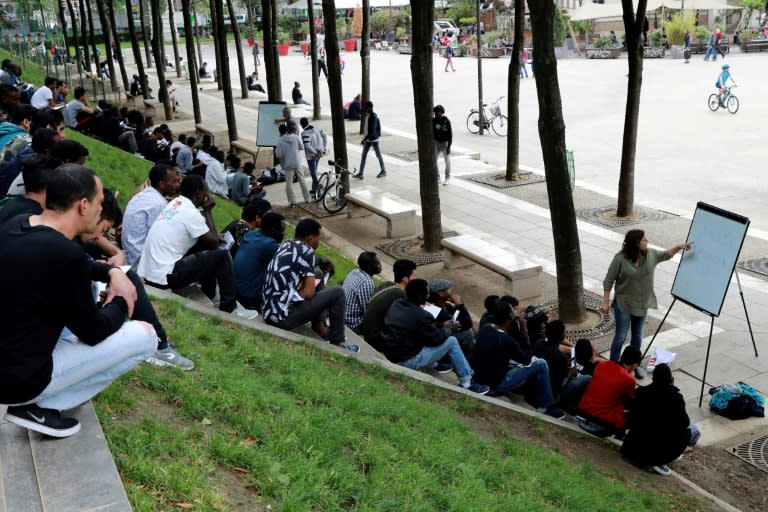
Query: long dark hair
{"type": "Point", "coordinates": [631, 247]}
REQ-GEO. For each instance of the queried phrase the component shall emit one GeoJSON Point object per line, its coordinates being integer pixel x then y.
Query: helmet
{"type": "Point", "coordinates": [726, 66]}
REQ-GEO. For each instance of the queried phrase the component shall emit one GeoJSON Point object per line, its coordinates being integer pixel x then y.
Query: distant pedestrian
{"type": "Point", "coordinates": [711, 47]}
{"type": "Point", "coordinates": [371, 135]}
{"type": "Point", "coordinates": [524, 63]}
{"type": "Point", "coordinates": [296, 95]}
{"type": "Point", "coordinates": [687, 46]}
{"type": "Point", "coordinates": [256, 58]}
{"type": "Point", "coordinates": [448, 54]}
{"type": "Point", "coordinates": [321, 67]}
{"type": "Point", "coordinates": [441, 131]}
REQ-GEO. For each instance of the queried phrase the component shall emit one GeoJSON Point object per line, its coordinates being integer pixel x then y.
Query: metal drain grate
{"type": "Point", "coordinates": [754, 452]}
{"type": "Point", "coordinates": [759, 266]}
{"type": "Point", "coordinates": [408, 249]}
{"type": "Point", "coordinates": [606, 216]}
{"type": "Point", "coordinates": [496, 179]}
{"type": "Point", "coordinates": [594, 302]}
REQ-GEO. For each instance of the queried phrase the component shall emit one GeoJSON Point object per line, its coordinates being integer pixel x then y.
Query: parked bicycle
{"type": "Point", "coordinates": [492, 118]}
{"type": "Point", "coordinates": [726, 100]}
{"type": "Point", "coordinates": [332, 188]}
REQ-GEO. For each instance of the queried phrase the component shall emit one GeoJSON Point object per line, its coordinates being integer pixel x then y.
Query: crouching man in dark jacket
{"type": "Point", "coordinates": [413, 338]}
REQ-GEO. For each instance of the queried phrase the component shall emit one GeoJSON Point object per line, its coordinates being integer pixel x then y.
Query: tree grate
{"type": "Point", "coordinates": [591, 301]}
{"type": "Point", "coordinates": [759, 266]}
{"type": "Point", "coordinates": [753, 452]}
{"type": "Point", "coordinates": [606, 216]}
{"type": "Point", "coordinates": [496, 179]}
{"type": "Point", "coordinates": [317, 210]}
{"type": "Point", "coordinates": [409, 249]}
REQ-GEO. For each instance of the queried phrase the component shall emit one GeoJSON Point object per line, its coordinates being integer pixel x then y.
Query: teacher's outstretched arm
{"type": "Point", "coordinates": [679, 247]}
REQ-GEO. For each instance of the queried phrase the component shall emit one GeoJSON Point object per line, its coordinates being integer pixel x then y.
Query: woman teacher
{"type": "Point", "coordinates": [631, 271]}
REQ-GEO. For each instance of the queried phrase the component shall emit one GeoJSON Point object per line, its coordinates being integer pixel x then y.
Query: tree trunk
{"type": "Point", "coordinates": [118, 48]}
{"type": "Point", "coordinates": [158, 48]}
{"type": "Point", "coordinates": [334, 88]}
{"type": "Point", "coordinates": [191, 64]}
{"type": "Point", "coordinates": [513, 93]}
{"type": "Point", "coordinates": [217, 45]}
{"type": "Point", "coordinates": [197, 42]}
{"type": "Point", "coordinates": [136, 50]}
{"type": "Point", "coordinates": [423, 13]}
{"type": "Point", "coordinates": [84, 38]}
{"type": "Point", "coordinates": [145, 31]}
{"type": "Point", "coordinates": [224, 75]}
{"type": "Point", "coordinates": [365, 58]}
{"type": "Point", "coordinates": [278, 75]}
{"type": "Point", "coordinates": [75, 39]}
{"type": "Point", "coordinates": [238, 49]}
{"type": "Point", "coordinates": [106, 30]}
{"type": "Point", "coordinates": [92, 38]}
{"type": "Point", "coordinates": [63, 21]}
{"type": "Point", "coordinates": [316, 108]}
{"type": "Point", "coordinates": [174, 39]}
{"type": "Point", "coordinates": [633, 27]}
{"type": "Point", "coordinates": [269, 49]}
{"type": "Point", "coordinates": [570, 285]}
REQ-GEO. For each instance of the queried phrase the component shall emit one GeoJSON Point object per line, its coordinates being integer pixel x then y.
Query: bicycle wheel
{"type": "Point", "coordinates": [322, 186]}
{"type": "Point", "coordinates": [333, 199]}
{"type": "Point", "coordinates": [500, 125]}
{"type": "Point", "coordinates": [732, 104]}
{"type": "Point", "coordinates": [713, 102]}
{"type": "Point", "coordinates": [473, 122]}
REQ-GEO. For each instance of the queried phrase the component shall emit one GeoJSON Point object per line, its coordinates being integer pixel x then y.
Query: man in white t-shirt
{"type": "Point", "coordinates": [166, 261]}
{"type": "Point", "coordinates": [43, 97]}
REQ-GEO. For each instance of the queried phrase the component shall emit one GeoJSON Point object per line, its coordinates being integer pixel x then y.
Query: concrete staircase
{"type": "Point", "coordinates": [42, 474]}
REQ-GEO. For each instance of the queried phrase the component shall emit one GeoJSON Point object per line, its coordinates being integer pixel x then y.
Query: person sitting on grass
{"type": "Point", "coordinates": [250, 218]}
{"type": "Point", "coordinates": [166, 260]}
{"type": "Point", "coordinates": [413, 338]}
{"type": "Point", "coordinates": [78, 113]}
{"type": "Point", "coordinates": [240, 188]}
{"type": "Point", "coordinates": [358, 288]}
{"type": "Point", "coordinates": [659, 427]}
{"type": "Point", "coordinates": [292, 294]}
{"type": "Point", "coordinates": [258, 246]}
{"type": "Point", "coordinates": [610, 392]}
{"type": "Point", "coordinates": [504, 365]}
{"type": "Point", "coordinates": [40, 373]}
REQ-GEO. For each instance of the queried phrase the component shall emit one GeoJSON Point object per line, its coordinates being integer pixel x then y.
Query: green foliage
{"type": "Point", "coordinates": [558, 29]}
{"type": "Point", "coordinates": [380, 21]}
{"type": "Point", "coordinates": [676, 27]}
{"type": "Point", "coordinates": [603, 42]}
{"type": "Point", "coordinates": [400, 32]}
{"type": "Point", "coordinates": [490, 38]}
{"type": "Point", "coordinates": [655, 37]}
{"type": "Point", "coordinates": [702, 33]}
{"type": "Point", "coordinates": [342, 27]}
{"type": "Point", "coordinates": [468, 21]}
{"type": "Point", "coordinates": [583, 27]}
{"type": "Point", "coordinates": [461, 10]}
{"type": "Point", "coordinates": [288, 23]}
{"type": "Point", "coordinates": [463, 50]}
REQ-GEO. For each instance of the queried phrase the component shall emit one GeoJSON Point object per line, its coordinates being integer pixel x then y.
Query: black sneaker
{"type": "Point", "coordinates": [45, 421]}
{"type": "Point", "coordinates": [640, 373]}
{"type": "Point", "coordinates": [442, 368]}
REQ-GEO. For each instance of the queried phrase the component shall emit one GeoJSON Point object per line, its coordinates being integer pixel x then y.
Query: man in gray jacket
{"type": "Point", "coordinates": [313, 150]}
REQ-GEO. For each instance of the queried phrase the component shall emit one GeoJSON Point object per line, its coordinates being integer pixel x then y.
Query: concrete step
{"type": "Point", "coordinates": [76, 474]}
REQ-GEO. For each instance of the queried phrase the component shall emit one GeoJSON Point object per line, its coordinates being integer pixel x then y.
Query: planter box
{"type": "Point", "coordinates": [653, 52]}
{"type": "Point", "coordinates": [602, 53]}
{"type": "Point", "coordinates": [754, 45]}
{"type": "Point", "coordinates": [282, 49]}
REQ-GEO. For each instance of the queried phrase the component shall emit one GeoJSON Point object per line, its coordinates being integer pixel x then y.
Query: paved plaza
{"type": "Point", "coordinates": [685, 154]}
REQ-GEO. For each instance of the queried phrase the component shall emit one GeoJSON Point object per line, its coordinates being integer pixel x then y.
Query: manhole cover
{"type": "Point", "coordinates": [759, 265]}
{"type": "Point", "coordinates": [606, 216]}
{"type": "Point", "coordinates": [411, 249]}
{"type": "Point", "coordinates": [317, 210]}
{"type": "Point", "coordinates": [754, 452]}
{"type": "Point", "coordinates": [593, 302]}
{"type": "Point", "coordinates": [496, 179]}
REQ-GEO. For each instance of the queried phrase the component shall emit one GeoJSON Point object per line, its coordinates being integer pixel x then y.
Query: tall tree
{"type": "Point", "coordinates": [278, 75]}
{"type": "Point", "coordinates": [174, 39]}
{"type": "Point", "coordinates": [186, 12]}
{"type": "Point", "coordinates": [513, 93]}
{"type": "Point", "coordinates": [224, 74]}
{"type": "Point", "coordinates": [570, 284]}
{"type": "Point", "coordinates": [423, 13]}
{"type": "Point", "coordinates": [197, 37]}
{"type": "Point", "coordinates": [218, 46]}
{"type": "Point", "coordinates": [633, 28]}
{"type": "Point", "coordinates": [365, 56]}
{"type": "Point", "coordinates": [316, 109]}
{"type": "Point", "coordinates": [116, 39]}
{"type": "Point", "coordinates": [238, 49]}
{"type": "Point", "coordinates": [75, 38]}
{"type": "Point", "coordinates": [334, 87]}
{"type": "Point", "coordinates": [158, 48]}
{"type": "Point", "coordinates": [106, 30]}
{"type": "Point", "coordinates": [145, 37]}
{"type": "Point", "coordinates": [63, 22]}
{"type": "Point", "coordinates": [271, 62]}
{"type": "Point", "coordinates": [136, 50]}
{"type": "Point", "coordinates": [84, 37]}
{"type": "Point", "coordinates": [92, 37]}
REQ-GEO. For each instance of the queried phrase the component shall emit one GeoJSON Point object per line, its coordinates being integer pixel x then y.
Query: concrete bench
{"type": "Point", "coordinates": [149, 108]}
{"type": "Point", "coordinates": [130, 101]}
{"type": "Point", "coordinates": [522, 278]}
{"type": "Point", "coordinates": [205, 131]}
{"type": "Point", "coordinates": [245, 146]}
{"type": "Point", "coordinates": [400, 214]}
{"type": "Point", "coordinates": [754, 45]}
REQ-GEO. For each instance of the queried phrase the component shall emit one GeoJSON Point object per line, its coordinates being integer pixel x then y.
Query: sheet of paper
{"type": "Point", "coordinates": [294, 296]}
{"type": "Point", "coordinates": [455, 316]}
{"type": "Point", "coordinates": [433, 310]}
{"type": "Point", "coordinates": [227, 241]}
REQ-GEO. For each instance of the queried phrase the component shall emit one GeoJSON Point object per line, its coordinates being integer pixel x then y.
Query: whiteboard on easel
{"type": "Point", "coordinates": [266, 129]}
{"type": "Point", "coordinates": [706, 269]}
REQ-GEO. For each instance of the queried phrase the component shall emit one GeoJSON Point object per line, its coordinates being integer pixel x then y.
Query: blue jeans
{"type": "Point", "coordinates": [623, 321]}
{"type": "Point", "coordinates": [695, 434]}
{"type": "Point", "coordinates": [572, 391]}
{"type": "Point", "coordinates": [538, 371]}
{"type": "Point", "coordinates": [376, 149]}
{"type": "Point", "coordinates": [312, 164]}
{"type": "Point", "coordinates": [430, 355]}
{"type": "Point", "coordinates": [711, 51]}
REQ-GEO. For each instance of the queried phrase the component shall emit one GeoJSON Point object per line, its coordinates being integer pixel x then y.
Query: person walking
{"type": "Point", "coordinates": [631, 271]}
{"type": "Point", "coordinates": [687, 46]}
{"type": "Point", "coordinates": [448, 54]}
{"type": "Point", "coordinates": [288, 150]}
{"type": "Point", "coordinates": [711, 47]}
{"type": "Point", "coordinates": [441, 131]}
{"type": "Point", "coordinates": [371, 135]}
{"type": "Point", "coordinates": [524, 63]}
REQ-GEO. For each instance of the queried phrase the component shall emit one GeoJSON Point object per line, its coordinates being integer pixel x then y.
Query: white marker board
{"type": "Point", "coordinates": [705, 271]}
{"type": "Point", "coordinates": [266, 129]}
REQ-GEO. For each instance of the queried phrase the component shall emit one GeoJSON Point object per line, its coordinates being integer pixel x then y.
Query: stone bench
{"type": "Point", "coordinates": [754, 45]}
{"type": "Point", "coordinates": [205, 131]}
{"type": "Point", "coordinates": [522, 278]}
{"type": "Point", "coordinates": [400, 214]}
{"type": "Point", "coordinates": [130, 101]}
{"type": "Point", "coordinates": [245, 146]}
{"type": "Point", "coordinates": [149, 108]}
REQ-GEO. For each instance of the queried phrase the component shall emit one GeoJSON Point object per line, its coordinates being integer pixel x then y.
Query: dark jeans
{"type": "Point", "coordinates": [210, 268]}
{"type": "Point", "coordinates": [328, 302]}
{"type": "Point", "coordinates": [144, 311]}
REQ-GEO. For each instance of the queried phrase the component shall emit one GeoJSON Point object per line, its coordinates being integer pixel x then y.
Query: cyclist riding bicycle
{"type": "Point", "coordinates": [722, 81]}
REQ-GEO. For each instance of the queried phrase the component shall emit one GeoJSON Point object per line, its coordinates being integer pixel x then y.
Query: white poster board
{"type": "Point", "coordinates": [266, 129]}
{"type": "Point", "coordinates": [705, 271]}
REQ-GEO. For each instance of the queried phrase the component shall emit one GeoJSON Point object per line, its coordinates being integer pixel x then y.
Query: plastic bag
{"type": "Point", "coordinates": [660, 355]}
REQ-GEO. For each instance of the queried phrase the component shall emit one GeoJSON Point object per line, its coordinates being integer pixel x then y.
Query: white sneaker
{"type": "Point", "coordinates": [447, 179]}
{"type": "Point", "coordinates": [248, 314]}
